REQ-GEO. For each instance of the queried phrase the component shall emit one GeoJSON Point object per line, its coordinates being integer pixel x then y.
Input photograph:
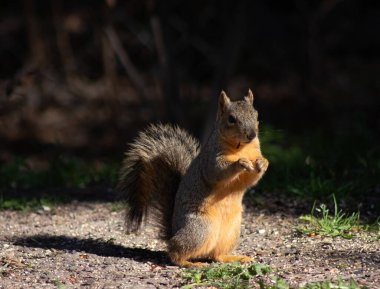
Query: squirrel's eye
{"type": "Point", "coordinates": [231, 120]}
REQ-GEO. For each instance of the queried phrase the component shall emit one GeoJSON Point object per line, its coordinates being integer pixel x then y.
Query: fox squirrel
{"type": "Point", "coordinates": [195, 194]}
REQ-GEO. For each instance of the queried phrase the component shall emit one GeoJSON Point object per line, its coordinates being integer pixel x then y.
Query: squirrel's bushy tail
{"type": "Point", "coordinates": [151, 171]}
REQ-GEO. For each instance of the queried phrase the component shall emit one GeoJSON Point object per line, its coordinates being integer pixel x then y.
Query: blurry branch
{"type": "Point", "coordinates": [159, 40]}
{"type": "Point", "coordinates": [40, 54]}
{"type": "Point", "coordinates": [63, 42]}
{"type": "Point", "coordinates": [125, 60]}
{"type": "Point", "coordinates": [109, 64]}
{"type": "Point", "coordinates": [169, 84]}
{"type": "Point", "coordinates": [77, 84]}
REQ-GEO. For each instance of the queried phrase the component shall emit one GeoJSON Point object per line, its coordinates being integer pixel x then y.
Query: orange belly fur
{"type": "Point", "coordinates": [223, 208]}
{"type": "Point", "coordinates": [224, 215]}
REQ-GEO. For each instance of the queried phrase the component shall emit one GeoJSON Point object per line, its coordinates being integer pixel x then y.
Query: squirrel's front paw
{"type": "Point", "coordinates": [261, 164]}
{"type": "Point", "coordinates": [246, 164]}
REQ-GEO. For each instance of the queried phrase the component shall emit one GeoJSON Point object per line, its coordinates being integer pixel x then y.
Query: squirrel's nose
{"type": "Point", "coordinates": [251, 136]}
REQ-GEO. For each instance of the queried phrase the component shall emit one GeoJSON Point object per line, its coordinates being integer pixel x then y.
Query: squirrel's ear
{"type": "Point", "coordinates": [249, 97]}
{"type": "Point", "coordinates": [224, 102]}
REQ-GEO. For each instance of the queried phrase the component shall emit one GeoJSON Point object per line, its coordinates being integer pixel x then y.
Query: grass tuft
{"type": "Point", "coordinates": [226, 276]}
{"type": "Point", "coordinates": [322, 222]}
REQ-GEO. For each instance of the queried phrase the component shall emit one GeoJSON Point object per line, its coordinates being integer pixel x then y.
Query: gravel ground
{"type": "Point", "coordinates": [84, 245]}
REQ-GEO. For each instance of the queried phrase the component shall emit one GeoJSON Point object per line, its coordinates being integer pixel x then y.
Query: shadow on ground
{"type": "Point", "coordinates": [93, 246]}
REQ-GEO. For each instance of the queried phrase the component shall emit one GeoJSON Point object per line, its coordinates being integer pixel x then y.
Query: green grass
{"type": "Point", "coordinates": [321, 221]}
{"type": "Point", "coordinates": [235, 275]}
{"type": "Point", "coordinates": [118, 206]}
{"type": "Point", "coordinates": [227, 276]}
{"type": "Point", "coordinates": [59, 284]}
{"type": "Point", "coordinates": [26, 204]}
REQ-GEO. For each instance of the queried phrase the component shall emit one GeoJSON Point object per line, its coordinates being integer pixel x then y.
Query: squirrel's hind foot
{"type": "Point", "coordinates": [188, 264]}
{"type": "Point", "coordinates": [232, 258]}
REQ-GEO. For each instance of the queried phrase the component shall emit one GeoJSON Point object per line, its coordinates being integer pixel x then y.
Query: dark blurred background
{"type": "Point", "coordinates": [79, 79]}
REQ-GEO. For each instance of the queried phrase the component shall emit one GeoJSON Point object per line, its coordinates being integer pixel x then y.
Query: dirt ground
{"type": "Point", "coordinates": [84, 245]}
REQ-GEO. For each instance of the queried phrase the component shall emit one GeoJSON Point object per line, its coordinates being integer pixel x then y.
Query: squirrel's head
{"type": "Point", "coordinates": [237, 120]}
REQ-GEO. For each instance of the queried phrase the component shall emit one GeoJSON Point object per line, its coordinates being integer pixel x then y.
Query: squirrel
{"type": "Point", "coordinates": [195, 194]}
